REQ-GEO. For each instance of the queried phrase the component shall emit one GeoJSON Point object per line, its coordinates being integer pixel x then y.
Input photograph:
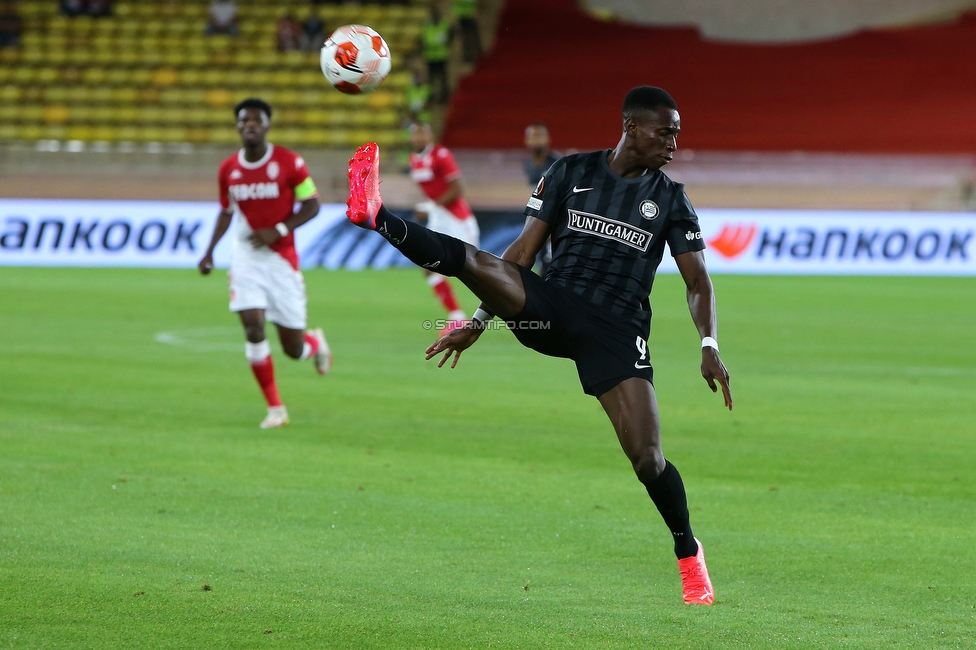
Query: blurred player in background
{"type": "Point", "coordinates": [433, 168]}
{"type": "Point", "coordinates": [261, 183]}
{"type": "Point", "coordinates": [540, 159]}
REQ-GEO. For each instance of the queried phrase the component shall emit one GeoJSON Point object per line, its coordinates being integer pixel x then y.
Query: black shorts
{"type": "Point", "coordinates": [607, 348]}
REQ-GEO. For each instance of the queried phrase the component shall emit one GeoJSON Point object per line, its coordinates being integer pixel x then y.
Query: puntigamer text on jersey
{"type": "Point", "coordinates": [619, 231]}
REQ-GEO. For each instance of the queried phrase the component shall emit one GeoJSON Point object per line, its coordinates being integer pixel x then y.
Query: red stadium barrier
{"type": "Point", "coordinates": [903, 90]}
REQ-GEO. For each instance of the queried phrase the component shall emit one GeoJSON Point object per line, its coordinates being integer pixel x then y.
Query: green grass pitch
{"type": "Point", "coordinates": [489, 506]}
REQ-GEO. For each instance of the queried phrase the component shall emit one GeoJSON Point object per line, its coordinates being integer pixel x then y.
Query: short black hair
{"type": "Point", "coordinates": [253, 102]}
{"type": "Point", "coordinates": [646, 98]}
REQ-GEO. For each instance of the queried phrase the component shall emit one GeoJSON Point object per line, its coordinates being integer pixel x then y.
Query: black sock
{"type": "Point", "coordinates": [425, 248]}
{"type": "Point", "coordinates": [667, 491]}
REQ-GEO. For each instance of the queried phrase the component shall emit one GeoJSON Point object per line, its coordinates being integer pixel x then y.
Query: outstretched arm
{"type": "Point", "coordinates": [701, 303]}
{"type": "Point", "coordinates": [507, 286]}
{"type": "Point", "coordinates": [223, 223]}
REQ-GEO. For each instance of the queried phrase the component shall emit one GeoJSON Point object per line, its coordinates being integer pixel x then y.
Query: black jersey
{"type": "Point", "coordinates": [608, 232]}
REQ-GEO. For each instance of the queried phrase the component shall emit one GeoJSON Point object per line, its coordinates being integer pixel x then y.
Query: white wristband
{"type": "Point", "coordinates": [709, 342]}
{"type": "Point", "coordinates": [281, 228]}
{"type": "Point", "coordinates": [481, 315]}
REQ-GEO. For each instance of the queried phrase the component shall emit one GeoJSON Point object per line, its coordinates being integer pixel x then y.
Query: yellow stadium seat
{"type": "Point", "coordinates": [10, 112]}
{"type": "Point", "coordinates": [78, 114]}
{"type": "Point", "coordinates": [197, 116]}
{"type": "Point", "coordinates": [30, 9]}
{"type": "Point", "coordinates": [141, 77]}
{"type": "Point", "coordinates": [191, 10]}
{"type": "Point", "coordinates": [127, 134]}
{"type": "Point", "coordinates": [148, 95]}
{"type": "Point", "coordinates": [198, 135]}
{"type": "Point", "coordinates": [128, 57]}
{"type": "Point", "coordinates": [220, 97]}
{"type": "Point", "coordinates": [173, 134]}
{"type": "Point", "coordinates": [129, 26]}
{"type": "Point", "coordinates": [312, 97]}
{"type": "Point", "coordinates": [172, 115]}
{"type": "Point", "coordinates": [388, 138]}
{"type": "Point", "coordinates": [125, 115]}
{"type": "Point", "coordinates": [145, 9]}
{"type": "Point", "coordinates": [288, 117]}
{"type": "Point", "coordinates": [150, 134]}
{"type": "Point", "coordinates": [315, 117]}
{"type": "Point", "coordinates": [124, 95]}
{"type": "Point", "coordinates": [315, 137]}
{"type": "Point", "coordinates": [104, 133]}
{"type": "Point", "coordinates": [102, 115]}
{"type": "Point", "coordinates": [77, 94]}
{"type": "Point", "coordinates": [33, 56]}
{"type": "Point", "coordinates": [337, 138]}
{"type": "Point", "coordinates": [23, 76]}
{"type": "Point", "coordinates": [197, 58]}
{"type": "Point", "coordinates": [219, 116]}
{"type": "Point", "coordinates": [310, 78]}
{"type": "Point", "coordinates": [55, 94]}
{"type": "Point", "coordinates": [57, 25]}
{"type": "Point", "coordinates": [283, 79]}
{"type": "Point", "coordinates": [261, 78]}
{"type": "Point", "coordinates": [150, 115]}
{"type": "Point", "coordinates": [101, 95]}
{"type": "Point", "coordinates": [94, 76]}
{"type": "Point", "coordinates": [235, 78]}
{"type": "Point", "coordinates": [80, 24]}
{"type": "Point", "coordinates": [191, 77]}
{"type": "Point", "coordinates": [165, 77]}
{"type": "Point", "coordinates": [10, 95]}
{"type": "Point", "coordinates": [30, 132]}
{"type": "Point", "coordinates": [150, 58]}
{"type": "Point", "coordinates": [10, 55]}
{"type": "Point", "coordinates": [212, 77]}
{"type": "Point", "coordinates": [288, 98]}
{"type": "Point", "coordinates": [79, 132]}
{"type": "Point", "coordinates": [56, 114]}
{"type": "Point", "coordinates": [224, 135]}
{"type": "Point", "coordinates": [175, 57]}
{"type": "Point", "coordinates": [117, 77]}
{"type": "Point", "coordinates": [122, 9]}
{"type": "Point", "coordinates": [8, 131]}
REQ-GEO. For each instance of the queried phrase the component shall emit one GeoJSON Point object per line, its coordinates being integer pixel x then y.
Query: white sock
{"type": "Point", "coordinates": [435, 279]}
{"type": "Point", "coordinates": [457, 315]}
{"type": "Point", "coordinates": [257, 352]}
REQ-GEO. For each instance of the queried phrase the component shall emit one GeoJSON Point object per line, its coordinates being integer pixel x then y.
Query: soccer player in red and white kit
{"type": "Point", "coordinates": [261, 184]}
{"type": "Point", "coordinates": [433, 168]}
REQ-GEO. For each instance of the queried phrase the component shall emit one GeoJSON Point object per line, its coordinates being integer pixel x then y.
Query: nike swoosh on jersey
{"type": "Point", "coordinates": [640, 367]}
{"type": "Point", "coordinates": [577, 189]}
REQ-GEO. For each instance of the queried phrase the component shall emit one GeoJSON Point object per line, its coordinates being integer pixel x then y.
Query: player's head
{"type": "Point", "coordinates": [421, 135]}
{"type": "Point", "coordinates": [537, 137]}
{"type": "Point", "coordinates": [253, 120]}
{"type": "Point", "coordinates": [651, 125]}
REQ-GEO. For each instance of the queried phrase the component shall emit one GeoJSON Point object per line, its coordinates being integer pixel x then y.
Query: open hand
{"type": "Point", "coordinates": [455, 342]}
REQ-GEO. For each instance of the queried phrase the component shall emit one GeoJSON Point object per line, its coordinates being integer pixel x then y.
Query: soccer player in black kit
{"type": "Point", "coordinates": [610, 214]}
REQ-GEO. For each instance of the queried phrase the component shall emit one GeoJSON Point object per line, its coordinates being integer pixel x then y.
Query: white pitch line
{"type": "Point", "coordinates": [196, 339]}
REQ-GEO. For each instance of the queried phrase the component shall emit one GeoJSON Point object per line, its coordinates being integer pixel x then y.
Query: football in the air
{"type": "Point", "coordinates": [355, 59]}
